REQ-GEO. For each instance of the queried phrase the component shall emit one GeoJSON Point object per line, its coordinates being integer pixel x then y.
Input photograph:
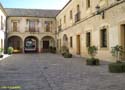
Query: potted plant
{"type": "Point", "coordinates": [10, 50]}
{"type": "Point", "coordinates": [64, 49]}
{"type": "Point", "coordinates": [1, 52]}
{"type": "Point", "coordinates": [65, 52]}
{"type": "Point", "coordinates": [53, 50]}
{"type": "Point", "coordinates": [92, 51]}
{"type": "Point", "coordinates": [118, 66]}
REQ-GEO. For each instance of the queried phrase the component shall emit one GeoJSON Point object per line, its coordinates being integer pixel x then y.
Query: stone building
{"type": "Point", "coordinates": [83, 23]}
{"type": "Point", "coordinates": [2, 25]}
{"type": "Point", "coordinates": [31, 30]}
{"type": "Point", "coordinates": [79, 25]}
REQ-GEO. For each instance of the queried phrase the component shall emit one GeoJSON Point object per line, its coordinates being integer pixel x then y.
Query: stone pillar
{"type": "Point", "coordinates": [39, 46]}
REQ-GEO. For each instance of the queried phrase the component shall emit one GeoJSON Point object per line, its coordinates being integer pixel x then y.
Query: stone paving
{"type": "Point", "coordinates": [53, 72]}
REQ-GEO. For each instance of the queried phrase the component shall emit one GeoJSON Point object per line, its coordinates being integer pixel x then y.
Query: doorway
{"type": "Point", "coordinates": [78, 43]}
{"type": "Point", "coordinates": [123, 39]}
{"type": "Point", "coordinates": [45, 44]}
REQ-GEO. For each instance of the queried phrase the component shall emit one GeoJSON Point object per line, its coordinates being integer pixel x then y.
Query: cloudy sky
{"type": "Point", "coordinates": [35, 4]}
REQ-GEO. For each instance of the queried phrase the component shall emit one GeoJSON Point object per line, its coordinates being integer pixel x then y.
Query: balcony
{"type": "Point", "coordinates": [59, 28]}
{"type": "Point", "coordinates": [77, 17]}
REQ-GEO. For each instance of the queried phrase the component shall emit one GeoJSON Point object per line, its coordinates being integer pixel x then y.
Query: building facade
{"type": "Point", "coordinates": [2, 26]}
{"type": "Point", "coordinates": [83, 23]}
{"type": "Point", "coordinates": [79, 25]}
{"type": "Point", "coordinates": [31, 30]}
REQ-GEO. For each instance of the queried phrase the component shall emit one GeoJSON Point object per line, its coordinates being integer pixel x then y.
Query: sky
{"type": "Point", "coordinates": [34, 4]}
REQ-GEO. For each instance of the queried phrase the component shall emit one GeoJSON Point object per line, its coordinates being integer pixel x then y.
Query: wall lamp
{"type": "Point", "coordinates": [100, 12]}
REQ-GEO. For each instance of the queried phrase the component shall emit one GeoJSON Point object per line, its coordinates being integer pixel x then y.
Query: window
{"type": "Point", "coordinates": [60, 21]}
{"type": "Point", "coordinates": [48, 26]}
{"type": "Point", "coordinates": [64, 19]}
{"type": "Point", "coordinates": [70, 14]}
{"type": "Point", "coordinates": [60, 25]}
{"type": "Point", "coordinates": [31, 26]}
{"type": "Point", "coordinates": [88, 39]}
{"type": "Point", "coordinates": [77, 16]}
{"type": "Point", "coordinates": [88, 4]}
{"type": "Point", "coordinates": [103, 38]}
{"type": "Point", "coordinates": [71, 42]}
{"type": "Point", "coordinates": [14, 26]}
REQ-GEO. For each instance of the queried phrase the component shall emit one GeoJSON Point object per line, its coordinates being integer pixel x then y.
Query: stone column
{"type": "Point", "coordinates": [39, 46]}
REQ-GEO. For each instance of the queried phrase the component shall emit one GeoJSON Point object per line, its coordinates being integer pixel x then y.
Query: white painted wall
{"type": "Point", "coordinates": [2, 36]}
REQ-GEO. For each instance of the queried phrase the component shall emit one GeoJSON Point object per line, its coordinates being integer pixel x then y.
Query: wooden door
{"type": "Point", "coordinates": [123, 39]}
{"type": "Point", "coordinates": [78, 43]}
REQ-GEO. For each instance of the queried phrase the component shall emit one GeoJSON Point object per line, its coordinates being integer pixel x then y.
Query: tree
{"type": "Point", "coordinates": [117, 52]}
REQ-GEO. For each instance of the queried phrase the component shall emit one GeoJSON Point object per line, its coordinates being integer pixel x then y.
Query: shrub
{"type": "Point", "coordinates": [93, 61]}
{"type": "Point", "coordinates": [123, 67]}
{"type": "Point", "coordinates": [10, 50]}
{"type": "Point", "coordinates": [116, 67]}
{"type": "Point", "coordinates": [67, 55]}
{"type": "Point", "coordinates": [52, 49]}
{"type": "Point", "coordinates": [92, 51]}
{"type": "Point", "coordinates": [64, 49]}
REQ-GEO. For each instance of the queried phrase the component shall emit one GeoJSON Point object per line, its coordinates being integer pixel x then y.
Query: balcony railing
{"type": "Point", "coordinates": [77, 17]}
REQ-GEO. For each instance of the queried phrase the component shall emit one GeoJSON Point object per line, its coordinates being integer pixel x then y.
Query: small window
{"type": "Point", "coordinates": [88, 39]}
{"type": "Point", "coordinates": [88, 4]}
{"type": "Point", "coordinates": [14, 26]}
{"type": "Point", "coordinates": [103, 38]}
{"type": "Point", "coordinates": [32, 26]}
{"type": "Point", "coordinates": [71, 42]}
{"type": "Point", "coordinates": [77, 15]}
{"type": "Point", "coordinates": [71, 14]}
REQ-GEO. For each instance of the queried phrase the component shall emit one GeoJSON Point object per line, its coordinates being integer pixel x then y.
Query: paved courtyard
{"type": "Point", "coordinates": [53, 72]}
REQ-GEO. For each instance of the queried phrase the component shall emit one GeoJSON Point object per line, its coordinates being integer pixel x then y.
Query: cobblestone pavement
{"type": "Point", "coordinates": [53, 72]}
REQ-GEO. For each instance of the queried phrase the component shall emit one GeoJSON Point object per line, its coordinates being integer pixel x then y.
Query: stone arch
{"type": "Point", "coordinates": [46, 42]}
{"type": "Point", "coordinates": [16, 42]}
{"type": "Point", "coordinates": [31, 44]}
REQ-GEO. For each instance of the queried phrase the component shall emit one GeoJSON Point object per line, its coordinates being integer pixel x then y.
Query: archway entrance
{"type": "Point", "coordinates": [47, 42]}
{"type": "Point", "coordinates": [31, 44]}
{"type": "Point", "coordinates": [16, 43]}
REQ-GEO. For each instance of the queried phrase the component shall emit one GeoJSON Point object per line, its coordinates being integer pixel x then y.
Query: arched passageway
{"type": "Point", "coordinates": [47, 42]}
{"type": "Point", "coordinates": [16, 43]}
{"type": "Point", "coordinates": [31, 44]}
